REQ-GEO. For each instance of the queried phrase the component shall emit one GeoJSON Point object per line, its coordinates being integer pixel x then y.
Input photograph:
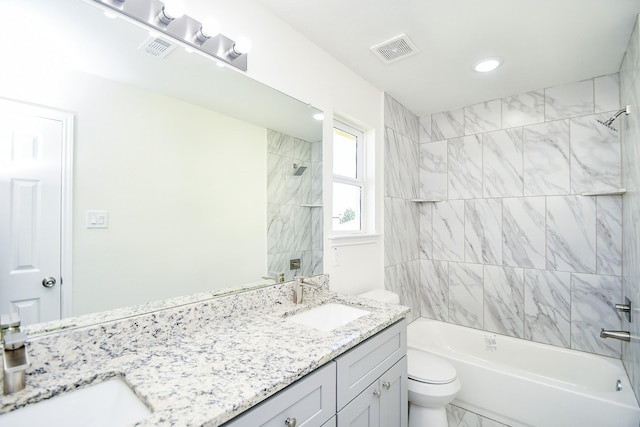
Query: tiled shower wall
{"type": "Point", "coordinates": [294, 231]}
{"type": "Point", "coordinates": [630, 94]}
{"type": "Point", "coordinates": [513, 247]}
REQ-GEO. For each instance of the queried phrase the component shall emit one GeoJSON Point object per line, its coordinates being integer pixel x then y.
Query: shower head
{"type": "Point", "coordinates": [613, 118]}
{"type": "Point", "coordinates": [298, 170]}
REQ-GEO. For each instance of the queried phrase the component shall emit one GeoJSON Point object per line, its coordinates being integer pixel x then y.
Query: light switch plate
{"type": "Point", "coordinates": [97, 219]}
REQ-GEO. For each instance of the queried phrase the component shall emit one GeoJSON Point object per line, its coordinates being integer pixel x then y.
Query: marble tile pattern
{"type": "Point", "coordinates": [433, 170]}
{"type": "Point", "coordinates": [513, 235]}
{"type": "Point", "coordinates": [523, 232]}
{"type": "Point", "coordinates": [446, 125]}
{"type": "Point", "coordinates": [201, 363]}
{"type": "Point", "coordinates": [547, 307]}
{"type": "Point", "coordinates": [466, 295]}
{"type": "Point", "coordinates": [448, 230]}
{"type": "Point", "coordinates": [502, 159]}
{"type": "Point", "coordinates": [630, 135]}
{"type": "Point", "coordinates": [569, 100]}
{"type": "Point", "coordinates": [571, 234]}
{"type": "Point", "coordinates": [483, 231]}
{"type": "Point", "coordinates": [546, 161]}
{"type": "Point", "coordinates": [595, 155]}
{"type": "Point", "coordinates": [464, 158]}
{"type": "Point", "coordinates": [402, 221]}
{"type": "Point", "coordinates": [523, 109]}
{"type": "Point", "coordinates": [504, 300]}
{"type": "Point", "coordinates": [459, 417]}
{"type": "Point", "coordinates": [592, 308]}
{"type": "Point", "coordinates": [483, 117]}
{"type": "Point", "coordinates": [292, 230]}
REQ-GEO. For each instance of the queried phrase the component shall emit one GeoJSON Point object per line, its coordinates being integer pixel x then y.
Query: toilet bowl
{"type": "Point", "coordinates": [433, 382]}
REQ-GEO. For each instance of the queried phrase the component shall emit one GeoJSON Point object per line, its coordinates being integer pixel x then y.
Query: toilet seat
{"type": "Point", "coordinates": [428, 368]}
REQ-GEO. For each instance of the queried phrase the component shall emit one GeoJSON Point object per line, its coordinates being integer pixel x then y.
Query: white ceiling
{"type": "Point", "coordinates": [543, 43]}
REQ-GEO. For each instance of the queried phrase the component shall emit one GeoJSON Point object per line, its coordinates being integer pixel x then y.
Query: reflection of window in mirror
{"type": "Point", "coordinates": [348, 179]}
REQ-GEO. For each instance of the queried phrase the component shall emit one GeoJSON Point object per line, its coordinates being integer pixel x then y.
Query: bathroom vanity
{"type": "Point", "coordinates": [227, 359]}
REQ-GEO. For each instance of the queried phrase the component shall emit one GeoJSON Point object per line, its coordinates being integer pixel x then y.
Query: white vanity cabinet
{"type": "Point", "coordinates": [372, 381]}
{"type": "Point", "coordinates": [309, 402]}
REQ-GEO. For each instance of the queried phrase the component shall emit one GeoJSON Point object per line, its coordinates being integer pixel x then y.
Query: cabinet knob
{"type": "Point", "coordinates": [291, 422]}
{"type": "Point", "coordinates": [386, 385]}
{"type": "Point", "coordinates": [377, 393]}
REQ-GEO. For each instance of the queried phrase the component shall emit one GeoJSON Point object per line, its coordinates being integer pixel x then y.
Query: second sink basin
{"type": "Point", "coordinates": [328, 317]}
{"type": "Point", "coordinates": [110, 403]}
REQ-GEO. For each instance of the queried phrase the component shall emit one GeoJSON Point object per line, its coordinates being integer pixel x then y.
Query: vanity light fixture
{"type": "Point", "coordinates": [168, 18]}
{"type": "Point", "coordinates": [487, 64]}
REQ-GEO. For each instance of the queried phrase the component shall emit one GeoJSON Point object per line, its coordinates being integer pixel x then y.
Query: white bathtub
{"type": "Point", "coordinates": [522, 383]}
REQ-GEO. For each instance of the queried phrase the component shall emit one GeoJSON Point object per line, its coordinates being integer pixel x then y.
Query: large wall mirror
{"type": "Point", "coordinates": [209, 179]}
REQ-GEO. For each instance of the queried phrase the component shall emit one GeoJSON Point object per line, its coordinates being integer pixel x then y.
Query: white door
{"type": "Point", "coordinates": [31, 159]}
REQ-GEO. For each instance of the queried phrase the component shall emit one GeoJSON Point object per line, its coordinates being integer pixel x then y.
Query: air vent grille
{"type": "Point", "coordinates": [157, 47]}
{"type": "Point", "coordinates": [395, 49]}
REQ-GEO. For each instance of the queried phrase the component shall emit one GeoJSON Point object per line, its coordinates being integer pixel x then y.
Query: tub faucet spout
{"type": "Point", "coordinates": [619, 335]}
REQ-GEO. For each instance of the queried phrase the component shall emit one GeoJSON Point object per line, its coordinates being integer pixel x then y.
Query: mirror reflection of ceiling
{"type": "Point", "coordinates": [109, 48]}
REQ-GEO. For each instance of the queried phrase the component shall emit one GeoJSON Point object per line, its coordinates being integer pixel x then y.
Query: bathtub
{"type": "Point", "coordinates": [522, 383]}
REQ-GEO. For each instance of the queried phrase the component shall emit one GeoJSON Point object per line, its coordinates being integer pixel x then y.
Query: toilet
{"type": "Point", "coordinates": [433, 381]}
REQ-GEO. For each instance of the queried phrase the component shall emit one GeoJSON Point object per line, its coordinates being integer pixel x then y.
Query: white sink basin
{"type": "Point", "coordinates": [328, 317]}
{"type": "Point", "coordinates": [111, 403]}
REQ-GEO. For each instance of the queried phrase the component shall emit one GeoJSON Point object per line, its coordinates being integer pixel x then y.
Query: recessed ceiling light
{"type": "Point", "coordinates": [487, 64]}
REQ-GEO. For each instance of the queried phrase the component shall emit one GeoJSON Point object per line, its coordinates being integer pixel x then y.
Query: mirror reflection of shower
{"type": "Point", "coordinates": [298, 169]}
{"type": "Point", "coordinates": [609, 123]}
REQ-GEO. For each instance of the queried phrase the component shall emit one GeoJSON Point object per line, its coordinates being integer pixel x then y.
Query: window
{"type": "Point", "coordinates": [348, 179]}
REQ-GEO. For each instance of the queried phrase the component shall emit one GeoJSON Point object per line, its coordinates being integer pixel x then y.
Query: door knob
{"type": "Point", "coordinates": [48, 282]}
{"type": "Point", "coordinates": [291, 422]}
{"type": "Point", "coordinates": [386, 385]}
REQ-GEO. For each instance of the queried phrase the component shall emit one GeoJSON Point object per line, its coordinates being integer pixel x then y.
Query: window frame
{"type": "Point", "coordinates": [359, 181]}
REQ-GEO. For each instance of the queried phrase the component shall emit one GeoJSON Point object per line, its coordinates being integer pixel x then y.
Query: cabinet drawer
{"type": "Point", "coordinates": [362, 365]}
{"type": "Point", "coordinates": [310, 400]}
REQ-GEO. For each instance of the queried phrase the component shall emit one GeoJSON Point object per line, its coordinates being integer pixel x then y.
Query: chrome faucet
{"type": "Point", "coordinates": [299, 283]}
{"type": "Point", "coordinates": [15, 359]}
{"type": "Point", "coordinates": [619, 335]}
{"type": "Point", "coordinates": [277, 276]}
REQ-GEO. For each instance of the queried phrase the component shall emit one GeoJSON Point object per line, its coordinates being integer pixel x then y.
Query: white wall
{"type": "Point", "coordinates": [169, 193]}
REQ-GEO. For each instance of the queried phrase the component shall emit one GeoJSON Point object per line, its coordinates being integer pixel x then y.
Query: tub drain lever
{"type": "Point", "coordinates": [625, 308]}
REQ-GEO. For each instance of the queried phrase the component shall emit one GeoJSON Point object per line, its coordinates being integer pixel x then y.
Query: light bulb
{"type": "Point", "coordinates": [242, 45]}
{"type": "Point", "coordinates": [171, 10]}
{"type": "Point", "coordinates": [210, 28]}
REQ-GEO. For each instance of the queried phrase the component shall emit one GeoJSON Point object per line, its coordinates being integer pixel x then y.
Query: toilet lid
{"type": "Point", "coordinates": [428, 368]}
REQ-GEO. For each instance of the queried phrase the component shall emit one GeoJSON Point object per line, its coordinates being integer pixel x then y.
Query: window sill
{"type": "Point", "coordinates": [354, 239]}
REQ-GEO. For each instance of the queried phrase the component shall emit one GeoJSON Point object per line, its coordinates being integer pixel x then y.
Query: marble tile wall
{"type": "Point", "coordinates": [403, 235]}
{"type": "Point", "coordinates": [630, 129]}
{"type": "Point", "coordinates": [293, 231]}
{"type": "Point", "coordinates": [514, 247]}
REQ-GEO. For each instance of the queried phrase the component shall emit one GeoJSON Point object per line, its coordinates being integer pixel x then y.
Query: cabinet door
{"type": "Point", "coordinates": [331, 423]}
{"type": "Point", "coordinates": [364, 410]}
{"type": "Point", "coordinates": [309, 402]}
{"type": "Point", "coordinates": [365, 363]}
{"type": "Point", "coordinates": [394, 406]}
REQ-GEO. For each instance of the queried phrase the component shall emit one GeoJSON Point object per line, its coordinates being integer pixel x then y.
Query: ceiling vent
{"type": "Point", "coordinates": [395, 49]}
{"type": "Point", "coordinates": [157, 47]}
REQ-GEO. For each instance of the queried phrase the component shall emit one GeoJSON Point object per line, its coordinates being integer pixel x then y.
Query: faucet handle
{"type": "Point", "coordinates": [10, 320]}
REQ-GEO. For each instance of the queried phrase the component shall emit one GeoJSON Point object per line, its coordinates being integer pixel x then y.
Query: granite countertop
{"type": "Point", "coordinates": [201, 363]}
